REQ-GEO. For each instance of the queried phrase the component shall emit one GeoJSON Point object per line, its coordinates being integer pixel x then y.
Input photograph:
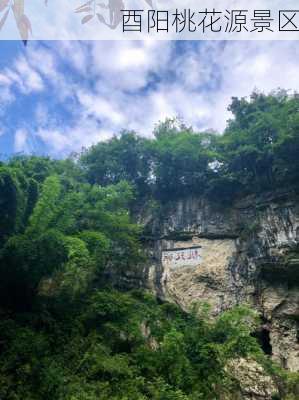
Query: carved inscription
{"type": "Point", "coordinates": [182, 257]}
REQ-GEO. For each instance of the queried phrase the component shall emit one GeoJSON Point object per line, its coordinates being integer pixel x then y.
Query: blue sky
{"type": "Point", "coordinates": [57, 97]}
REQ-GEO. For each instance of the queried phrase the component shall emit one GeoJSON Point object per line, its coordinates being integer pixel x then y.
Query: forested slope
{"type": "Point", "coordinates": [65, 333]}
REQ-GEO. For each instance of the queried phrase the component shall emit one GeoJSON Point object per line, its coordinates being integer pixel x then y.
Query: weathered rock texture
{"type": "Point", "coordinates": [254, 383]}
{"type": "Point", "coordinates": [248, 253]}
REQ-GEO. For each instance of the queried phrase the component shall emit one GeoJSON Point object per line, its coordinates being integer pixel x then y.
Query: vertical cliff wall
{"type": "Point", "coordinates": [247, 252]}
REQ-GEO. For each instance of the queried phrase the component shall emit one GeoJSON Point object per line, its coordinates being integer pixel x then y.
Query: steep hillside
{"type": "Point", "coordinates": [162, 268]}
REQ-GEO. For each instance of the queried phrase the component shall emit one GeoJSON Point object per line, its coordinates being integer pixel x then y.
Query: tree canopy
{"type": "Point", "coordinates": [257, 152]}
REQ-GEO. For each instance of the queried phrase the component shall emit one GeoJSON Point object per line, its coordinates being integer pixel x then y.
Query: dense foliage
{"type": "Point", "coordinates": [258, 151]}
{"type": "Point", "coordinates": [66, 334]}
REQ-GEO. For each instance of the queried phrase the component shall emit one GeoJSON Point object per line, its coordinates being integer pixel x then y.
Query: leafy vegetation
{"type": "Point", "coordinates": [258, 151]}
{"type": "Point", "coordinates": [66, 226]}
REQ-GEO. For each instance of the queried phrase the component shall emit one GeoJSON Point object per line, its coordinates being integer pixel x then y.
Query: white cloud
{"type": "Point", "coordinates": [133, 85]}
{"type": "Point", "coordinates": [28, 79]}
{"type": "Point", "coordinates": [55, 139]}
{"type": "Point", "coordinates": [4, 80]}
{"type": "Point", "coordinates": [75, 52]}
{"type": "Point", "coordinates": [128, 65]}
{"type": "Point", "coordinates": [101, 108]}
{"type": "Point", "coordinates": [21, 75]}
{"type": "Point", "coordinates": [20, 143]}
{"type": "Point", "coordinates": [63, 140]}
{"type": "Point", "coordinates": [41, 115]}
{"type": "Point", "coordinates": [42, 60]}
{"type": "Point", "coordinates": [196, 83]}
{"type": "Point", "coordinates": [6, 97]}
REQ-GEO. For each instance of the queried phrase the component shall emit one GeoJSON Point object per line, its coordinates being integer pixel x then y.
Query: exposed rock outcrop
{"type": "Point", "coordinates": [247, 252]}
{"type": "Point", "coordinates": [254, 383]}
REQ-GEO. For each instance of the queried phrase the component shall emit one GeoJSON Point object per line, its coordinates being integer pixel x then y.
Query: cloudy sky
{"type": "Point", "coordinates": [57, 97]}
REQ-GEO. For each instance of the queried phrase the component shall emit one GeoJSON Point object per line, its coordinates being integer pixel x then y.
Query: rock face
{"type": "Point", "coordinates": [254, 383]}
{"type": "Point", "coordinates": [247, 252]}
{"type": "Point", "coordinates": [208, 279]}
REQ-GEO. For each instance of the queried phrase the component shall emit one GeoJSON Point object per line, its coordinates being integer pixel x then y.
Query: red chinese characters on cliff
{"type": "Point", "coordinates": [181, 257]}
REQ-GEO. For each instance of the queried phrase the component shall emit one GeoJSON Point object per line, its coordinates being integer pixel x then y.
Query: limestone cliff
{"type": "Point", "coordinates": [247, 252]}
